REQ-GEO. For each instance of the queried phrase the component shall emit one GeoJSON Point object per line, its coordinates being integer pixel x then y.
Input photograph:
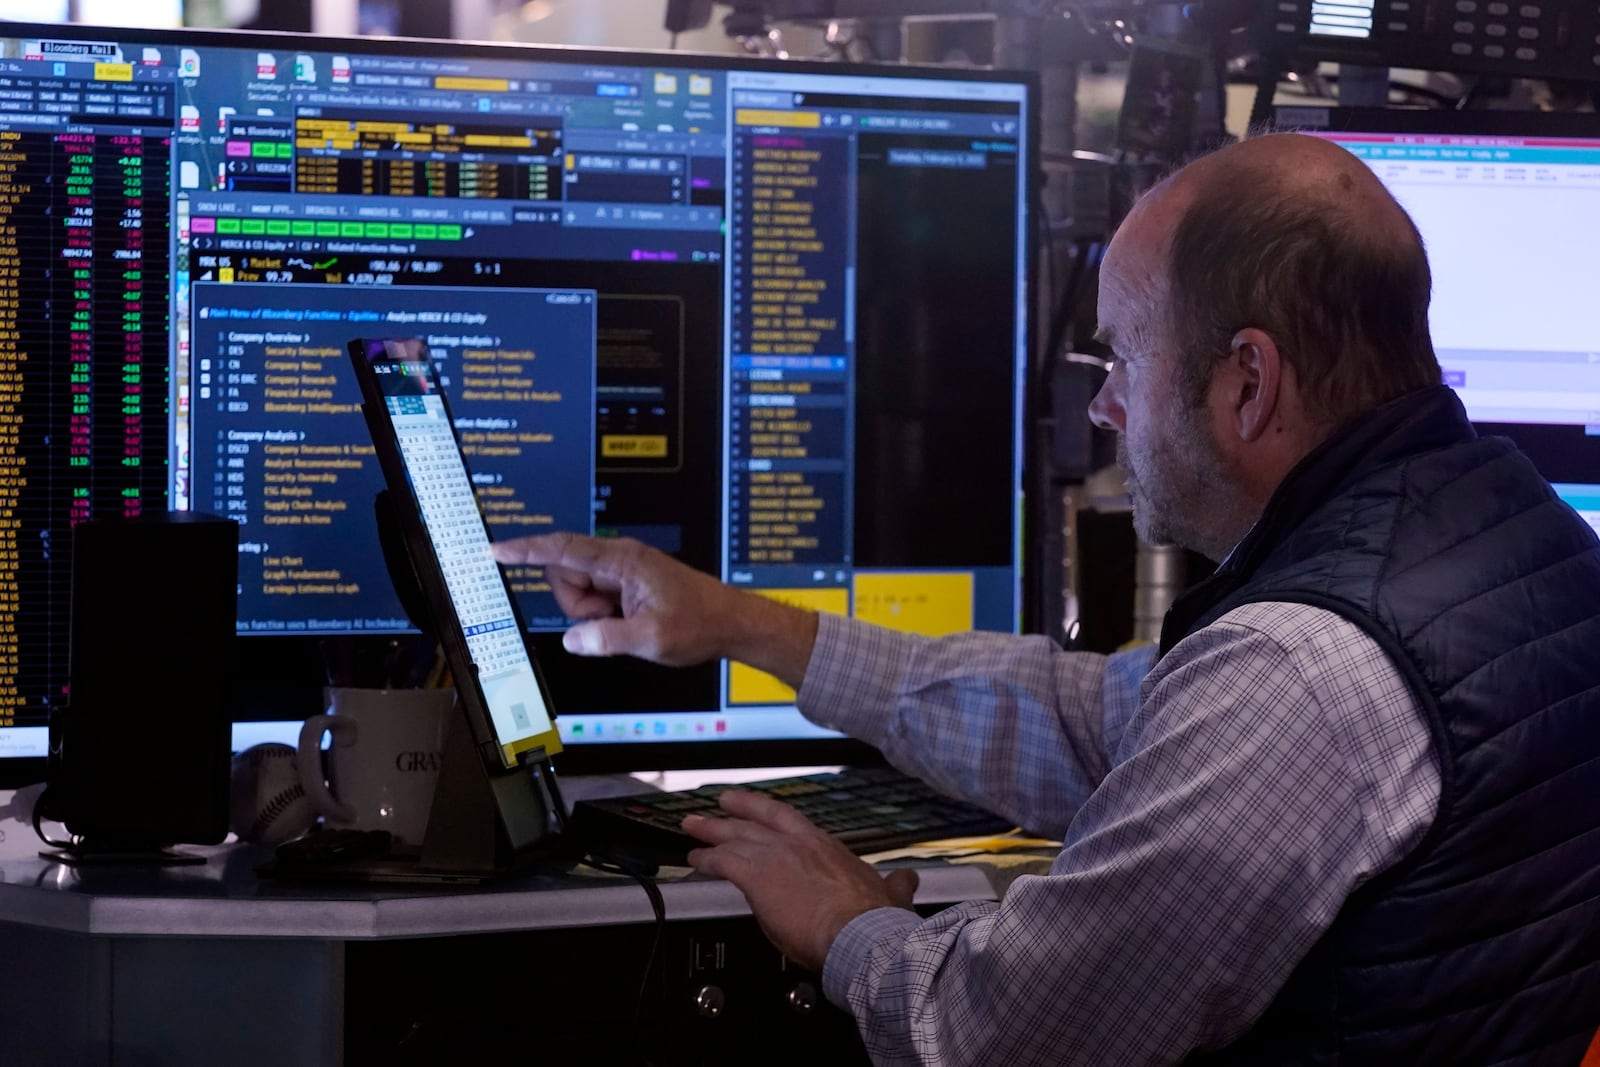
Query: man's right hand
{"type": "Point", "coordinates": [669, 613]}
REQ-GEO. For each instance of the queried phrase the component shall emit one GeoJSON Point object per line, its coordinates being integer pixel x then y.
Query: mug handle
{"type": "Point", "coordinates": [308, 761]}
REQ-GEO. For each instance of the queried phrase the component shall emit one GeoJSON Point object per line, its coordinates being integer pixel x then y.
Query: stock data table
{"type": "Point", "coordinates": [83, 377]}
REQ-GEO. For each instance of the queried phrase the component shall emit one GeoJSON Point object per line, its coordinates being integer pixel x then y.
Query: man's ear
{"type": "Point", "coordinates": [1257, 370]}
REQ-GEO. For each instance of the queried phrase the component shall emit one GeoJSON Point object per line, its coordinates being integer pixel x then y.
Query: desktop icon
{"type": "Point", "coordinates": [188, 117]}
{"type": "Point", "coordinates": [341, 70]}
{"type": "Point", "coordinates": [188, 63]}
{"type": "Point", "coordinates": [150, 57]}
{"type": "Point", "coordinates": [305, 68]}
{"type": "Point", "coordinates": [666, 83]}
{"type": "Point", "coordinates": [266, 66]}
{"type": "Point", "coordinates": [699, 85]}
{"type": "Point", "coordinates": [224, 113]}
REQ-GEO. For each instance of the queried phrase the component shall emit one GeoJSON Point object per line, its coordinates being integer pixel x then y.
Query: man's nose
{"type": "Point", "coordinates": [1105, 410]}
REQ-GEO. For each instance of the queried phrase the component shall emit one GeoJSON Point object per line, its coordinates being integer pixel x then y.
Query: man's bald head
{"type": "Point", "coordinates": [1309, 172]}
{"type": "Point", "coordinates": [1295, 236]}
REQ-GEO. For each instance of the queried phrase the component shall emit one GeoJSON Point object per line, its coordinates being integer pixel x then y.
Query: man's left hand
{"type": "Point", "coordinates": [803, 885]}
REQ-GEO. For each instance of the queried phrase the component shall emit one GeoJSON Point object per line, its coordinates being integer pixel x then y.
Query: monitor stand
{"type": "Point", "coordinates": [482, 825]}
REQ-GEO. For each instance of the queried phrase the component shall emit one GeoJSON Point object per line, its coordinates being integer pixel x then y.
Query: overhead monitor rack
{"type": "Point", "coordinates": [1544, 39]}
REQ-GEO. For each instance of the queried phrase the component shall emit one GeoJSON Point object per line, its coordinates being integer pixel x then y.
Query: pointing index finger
{"type": "Point", "coordinates": [537, 549]}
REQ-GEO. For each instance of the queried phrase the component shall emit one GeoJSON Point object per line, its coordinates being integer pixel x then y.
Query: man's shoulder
{"type": "Point", "coordinates": [1291, 671]}
{"type": "Point", "coordinates": [1270, 627]}
{"type": "Point", "coordinates": [1292, 627]}
{"type": "Point", "coordinates": [1335, 658]}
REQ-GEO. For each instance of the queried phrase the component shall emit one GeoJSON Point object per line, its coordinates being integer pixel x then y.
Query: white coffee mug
{"type": "Point", "coordinates": [383, 762]}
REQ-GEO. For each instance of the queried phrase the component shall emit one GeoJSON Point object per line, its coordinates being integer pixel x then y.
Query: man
{"type": "Point", "coordinates": [1351, 814]}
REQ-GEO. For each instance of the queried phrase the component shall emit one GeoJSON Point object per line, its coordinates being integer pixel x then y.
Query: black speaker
{"type": "Point", "coordinates": [140, 756]}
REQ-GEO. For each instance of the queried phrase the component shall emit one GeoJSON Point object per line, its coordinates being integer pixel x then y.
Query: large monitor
{"type": "Point", "coordinates": [1508, 204]}
{"type": "Point", "coordinates": [804, 372]}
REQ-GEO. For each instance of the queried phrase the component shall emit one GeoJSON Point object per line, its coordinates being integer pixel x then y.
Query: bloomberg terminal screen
{"type": "Point", "coordinates": [85, 257]}
{"type": "Point", "coordinates": [795, 363]}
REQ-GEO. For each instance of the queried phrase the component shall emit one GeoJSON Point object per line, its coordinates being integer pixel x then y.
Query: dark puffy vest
{"type": "Point", "coordinates": [1483, 945]}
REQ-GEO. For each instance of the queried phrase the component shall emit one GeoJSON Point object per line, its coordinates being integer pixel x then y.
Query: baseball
{"type": "Point", "coordinates": [266, 802]}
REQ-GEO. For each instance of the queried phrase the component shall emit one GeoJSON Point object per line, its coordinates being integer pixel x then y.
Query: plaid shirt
{"type": "Point", "coordinates": [1216, 811]}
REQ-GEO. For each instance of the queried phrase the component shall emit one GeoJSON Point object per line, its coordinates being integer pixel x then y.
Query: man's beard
{"type": "Point", "coordinates": [1180, 490]}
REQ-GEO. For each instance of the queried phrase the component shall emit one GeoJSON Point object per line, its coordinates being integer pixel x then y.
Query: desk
{"type": "Point", "coordinates": [212, 965]}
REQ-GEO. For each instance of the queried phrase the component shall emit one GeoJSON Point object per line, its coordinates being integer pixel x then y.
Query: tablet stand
{"type": "Point", "coordinates": [482, 823]}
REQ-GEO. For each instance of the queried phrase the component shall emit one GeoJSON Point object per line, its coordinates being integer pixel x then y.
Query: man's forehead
{"type": "Point", "coordinates": [1133, 266]}
{"type": "Point", "coordinates": [1155, 214]}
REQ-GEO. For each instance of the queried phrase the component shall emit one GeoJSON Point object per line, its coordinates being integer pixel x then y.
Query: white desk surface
{"type": "Point", "coordinates": [224, 897]}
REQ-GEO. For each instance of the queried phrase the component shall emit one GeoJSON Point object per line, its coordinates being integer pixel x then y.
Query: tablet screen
{"type": "Point", "coordinates": [476, 590]}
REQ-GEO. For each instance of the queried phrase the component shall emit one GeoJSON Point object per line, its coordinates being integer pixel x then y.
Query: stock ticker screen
{"type": "Point", "coordinates": [803, 370]}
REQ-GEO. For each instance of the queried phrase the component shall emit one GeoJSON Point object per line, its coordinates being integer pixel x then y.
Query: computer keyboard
{"type": "Point", "coordinates": [870, 809]}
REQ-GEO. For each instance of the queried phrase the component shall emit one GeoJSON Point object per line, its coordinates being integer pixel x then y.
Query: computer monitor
{"type": "Point", "coordinates": [1508, 205]}
{"type": "Point", "coordinates": [806, 372]}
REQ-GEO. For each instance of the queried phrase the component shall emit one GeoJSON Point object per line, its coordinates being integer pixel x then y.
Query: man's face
{"type": "Point", "coordinates": [1177, 479]}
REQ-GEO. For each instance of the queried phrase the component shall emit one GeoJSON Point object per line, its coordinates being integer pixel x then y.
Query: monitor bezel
{"type": "Point", "coordinates": [1308, 118]}
{"type": "Point", "coordinates": [278, 658]}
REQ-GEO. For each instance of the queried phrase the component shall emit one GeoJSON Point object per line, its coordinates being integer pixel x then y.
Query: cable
{"type": "Point", "coordinates": [1467, 98]}
{"type": "Point", "coordinates": [38, 822]}
{"type": "Point", "coordinates": [1266, 89]}
{"type": "Point", "coordinates": [1422, 92]}
{"type": "Point", "coordinates": [619, 865]}
{"type": "Point", "coordinates": [1086, 253]}
{"type": "Point", "coordinates": [1047, 230]}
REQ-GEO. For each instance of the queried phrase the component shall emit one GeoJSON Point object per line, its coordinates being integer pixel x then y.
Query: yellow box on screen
{"type": "Point", "coordinates": [919, 602]}
{"type": "Point", "coordinates": [614, 445]}
{"type": "Point", "coordinates": [476, 85]}
{"type": "Point", "coordinates": [755, 116]}
{"type": "Point", "coordinates": [746, 685]}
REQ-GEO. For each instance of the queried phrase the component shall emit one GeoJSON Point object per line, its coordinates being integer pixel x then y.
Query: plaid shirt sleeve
{"type": "Point", "coordinates": [1013, 723]}
{"type": "Point", "coordinates": [1216, 816]}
